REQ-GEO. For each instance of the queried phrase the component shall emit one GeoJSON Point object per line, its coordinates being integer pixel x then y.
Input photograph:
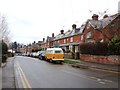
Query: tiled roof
{"type": "Point", "coordinates": [108, 20]}
{"type": "Point", "coordinates": [50, 38]}
{"type": "Point", "coordinates": [98, 24]}
{"type": "Point", "coordinates": [60, 36]}
{"type": "Point", "coordinates": [82, 27]}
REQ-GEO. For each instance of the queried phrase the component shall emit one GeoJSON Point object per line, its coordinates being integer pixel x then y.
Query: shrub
{"type": "Point", "coordinates": [4, 51]}
{"type": "Point", "coordinates": [114, 46]}
{"type": "Point", "coordinates": [4, 48]}
{"type": "Point", "coordinates": [4, 58]}
{"type": "Point", "coordinates": [94, 48]}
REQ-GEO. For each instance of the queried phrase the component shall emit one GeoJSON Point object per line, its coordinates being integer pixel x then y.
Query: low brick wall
{"type": "Point", "coordinates": [68, 55]}
{"type": "Point", "coordinates": [112, 59]}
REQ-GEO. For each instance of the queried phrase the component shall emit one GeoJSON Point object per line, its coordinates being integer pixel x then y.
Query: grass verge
{"type": "Point", "coordinates": [70, 61]}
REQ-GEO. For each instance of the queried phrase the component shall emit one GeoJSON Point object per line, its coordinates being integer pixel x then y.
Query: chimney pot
{"type": "Point", "coordinates": [43, 39]}
{"type": "Point", "coordinates": [62, 31]}
{"type": "Point", "coordinates": [74, 26]}
{"type": "Point", "coordinates": [95, 17]}
{"type": "Point", "coordinates": [52, 34]}
{"type": "Point", "coordinates": [105, 16]}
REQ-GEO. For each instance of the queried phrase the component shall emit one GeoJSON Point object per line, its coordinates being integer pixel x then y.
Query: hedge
{"type": "Point", "coordinates": [94, 48]}
{"type": "Point", "coordinates": [114, 46]}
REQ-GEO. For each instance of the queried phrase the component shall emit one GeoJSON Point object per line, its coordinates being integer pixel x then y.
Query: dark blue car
{"type": "Point", "coordinates": [42, 55]}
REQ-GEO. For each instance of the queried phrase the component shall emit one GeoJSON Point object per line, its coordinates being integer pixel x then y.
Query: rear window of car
{"type": "Point", "coordinates": [58, 51]}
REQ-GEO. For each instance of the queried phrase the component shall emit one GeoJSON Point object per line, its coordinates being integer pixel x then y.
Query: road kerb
{"type": "Point", "coordinates": [94, 67]}
{"type": "Point", "coordinates": [3, 65]}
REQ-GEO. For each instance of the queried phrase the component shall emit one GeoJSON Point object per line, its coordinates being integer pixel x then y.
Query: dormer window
{"type": "Point", "coordinates": [88, 26]}
{"type": "Point", "coordinates": [89, 35]}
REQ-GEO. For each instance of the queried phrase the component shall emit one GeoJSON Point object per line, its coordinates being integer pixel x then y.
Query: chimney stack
{"type": "Point", "coordinates": [74, 26]}
{"type": "Point", "coordinates": [62, 31]}
{"type": "Point", "coordinates": [105, 16]}
{"type": "Point", "coordinates": [95, 17]}
{"type": "Point", "coordinates": [43, 39]}
{"type": "Point", "coordinates": [52, 34]}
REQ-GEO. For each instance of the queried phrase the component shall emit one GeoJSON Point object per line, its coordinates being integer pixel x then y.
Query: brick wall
{"type": "Point", "coordinates": [113, 59]}
{"type": "Point", "coordinates": [76, 38]}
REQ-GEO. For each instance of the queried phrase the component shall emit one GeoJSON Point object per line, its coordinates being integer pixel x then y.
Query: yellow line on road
{"type": "Point", "coordinates": [23, 83]}
{"type": "Point", "coordinates": [28, 84]}
{"type": "Point", "coordinates": [23, 77]}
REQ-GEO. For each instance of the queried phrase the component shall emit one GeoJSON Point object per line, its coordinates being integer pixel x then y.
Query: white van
{"type": "Point", "coordinates": [54, 54]}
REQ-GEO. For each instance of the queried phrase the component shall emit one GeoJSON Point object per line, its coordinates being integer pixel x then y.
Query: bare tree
{"type": "Point", "coordinates": [4, 31]}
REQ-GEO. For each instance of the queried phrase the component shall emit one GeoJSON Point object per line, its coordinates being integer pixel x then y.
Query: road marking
{"type": "Point", "coordinates": [28, 84]}
{"type": "Point", "coordinates": [102, 82]}
{"type": "Point", "coordinates": [23, 83]}
{"type": "Point", "coordinates": [23, 77]}
{"type": "Point", "coordinates": [115, 72]}
{"type": "Point", "coordinates": [107, 80]}
{"type": "Point", "coordinates": [89, 77]}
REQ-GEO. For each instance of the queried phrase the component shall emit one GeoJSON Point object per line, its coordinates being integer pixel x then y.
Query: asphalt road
{"type": "Point", "coordinates": [35, 73]}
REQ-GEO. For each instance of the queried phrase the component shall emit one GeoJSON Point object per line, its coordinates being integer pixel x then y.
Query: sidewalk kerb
{"type": "Point", "coordinates": [3, 65]}
{"type": "Point", "coordinates": [86, 66]}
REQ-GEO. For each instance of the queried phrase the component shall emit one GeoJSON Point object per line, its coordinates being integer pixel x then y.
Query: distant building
{"type": "Point", "coordinates": [119, 7]}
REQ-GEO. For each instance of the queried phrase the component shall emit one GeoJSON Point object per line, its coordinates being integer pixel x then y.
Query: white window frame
{"type": "Point", "coordinates": [71, 39]}
{"type": "Point", "coordinates": [89, 35]}
{"type": "Point", "coordinates": [81, 37]}
{"type": "Point", "coordinates": [64, 40]}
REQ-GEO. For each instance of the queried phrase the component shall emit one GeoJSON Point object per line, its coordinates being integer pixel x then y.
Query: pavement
{"type": "Point", "coordinates": [93, 65]}
{"type": "Point", "coordinates": [8, 78]}
{"type": "Point", "coordinates": [3, 65]}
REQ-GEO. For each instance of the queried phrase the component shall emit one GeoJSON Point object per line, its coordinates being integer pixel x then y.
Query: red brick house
{"type": "Point", "coordinates": [112, 28]}
{"type": "Point", "coordinates": [101, 30]}
{"type": "Point", "coordinates": [94, 30]}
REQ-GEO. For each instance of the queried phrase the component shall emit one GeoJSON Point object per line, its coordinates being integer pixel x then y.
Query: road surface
{"type": "Point", "coordinates": [35, 73]}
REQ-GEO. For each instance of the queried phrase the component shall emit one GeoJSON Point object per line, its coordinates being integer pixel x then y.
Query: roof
{"type": "Point", "coordinates": [99, 24]}
{"type": "Point", "coordinates": [96, 24]}
{"type": "Point", "coordinates": [108, 20]}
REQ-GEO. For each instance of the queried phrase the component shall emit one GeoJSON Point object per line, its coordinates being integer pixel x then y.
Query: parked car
{"type": "Point", "coordinates": [33, 54]}
{"type": "Point", "coordinates": [37, 54]}
{"type": "Point", "coordinates": [42, 55]}
{"type": "Point", "coordinates": [54, 55]}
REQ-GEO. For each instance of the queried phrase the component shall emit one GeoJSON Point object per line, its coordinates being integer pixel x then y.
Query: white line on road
{"type": "Point", "coordinates": [102, 81]}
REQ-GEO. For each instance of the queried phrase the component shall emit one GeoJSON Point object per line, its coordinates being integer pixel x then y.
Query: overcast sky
{"type": "Point", "coordinates": [33, 20]}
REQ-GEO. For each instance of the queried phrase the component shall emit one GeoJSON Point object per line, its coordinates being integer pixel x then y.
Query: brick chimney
{"type": "Point", "coordinates": [74, 26]}
{"type": "Point", "coordinates": [95, 17]}
{"type": "Point", "coordinates": [62, 31]}
{"type": "Point", "coordinates": [105, 16]}
{"type": "Point", "coordinates": [43, 39]}
{"type": "Point", "coordinates": [52, 34]}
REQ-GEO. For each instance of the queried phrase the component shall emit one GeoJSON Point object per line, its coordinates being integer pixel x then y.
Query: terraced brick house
{"type": "Point", "coordinates": [101, 30]}
{"type": "Point", "coordinates": [93, 30]}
